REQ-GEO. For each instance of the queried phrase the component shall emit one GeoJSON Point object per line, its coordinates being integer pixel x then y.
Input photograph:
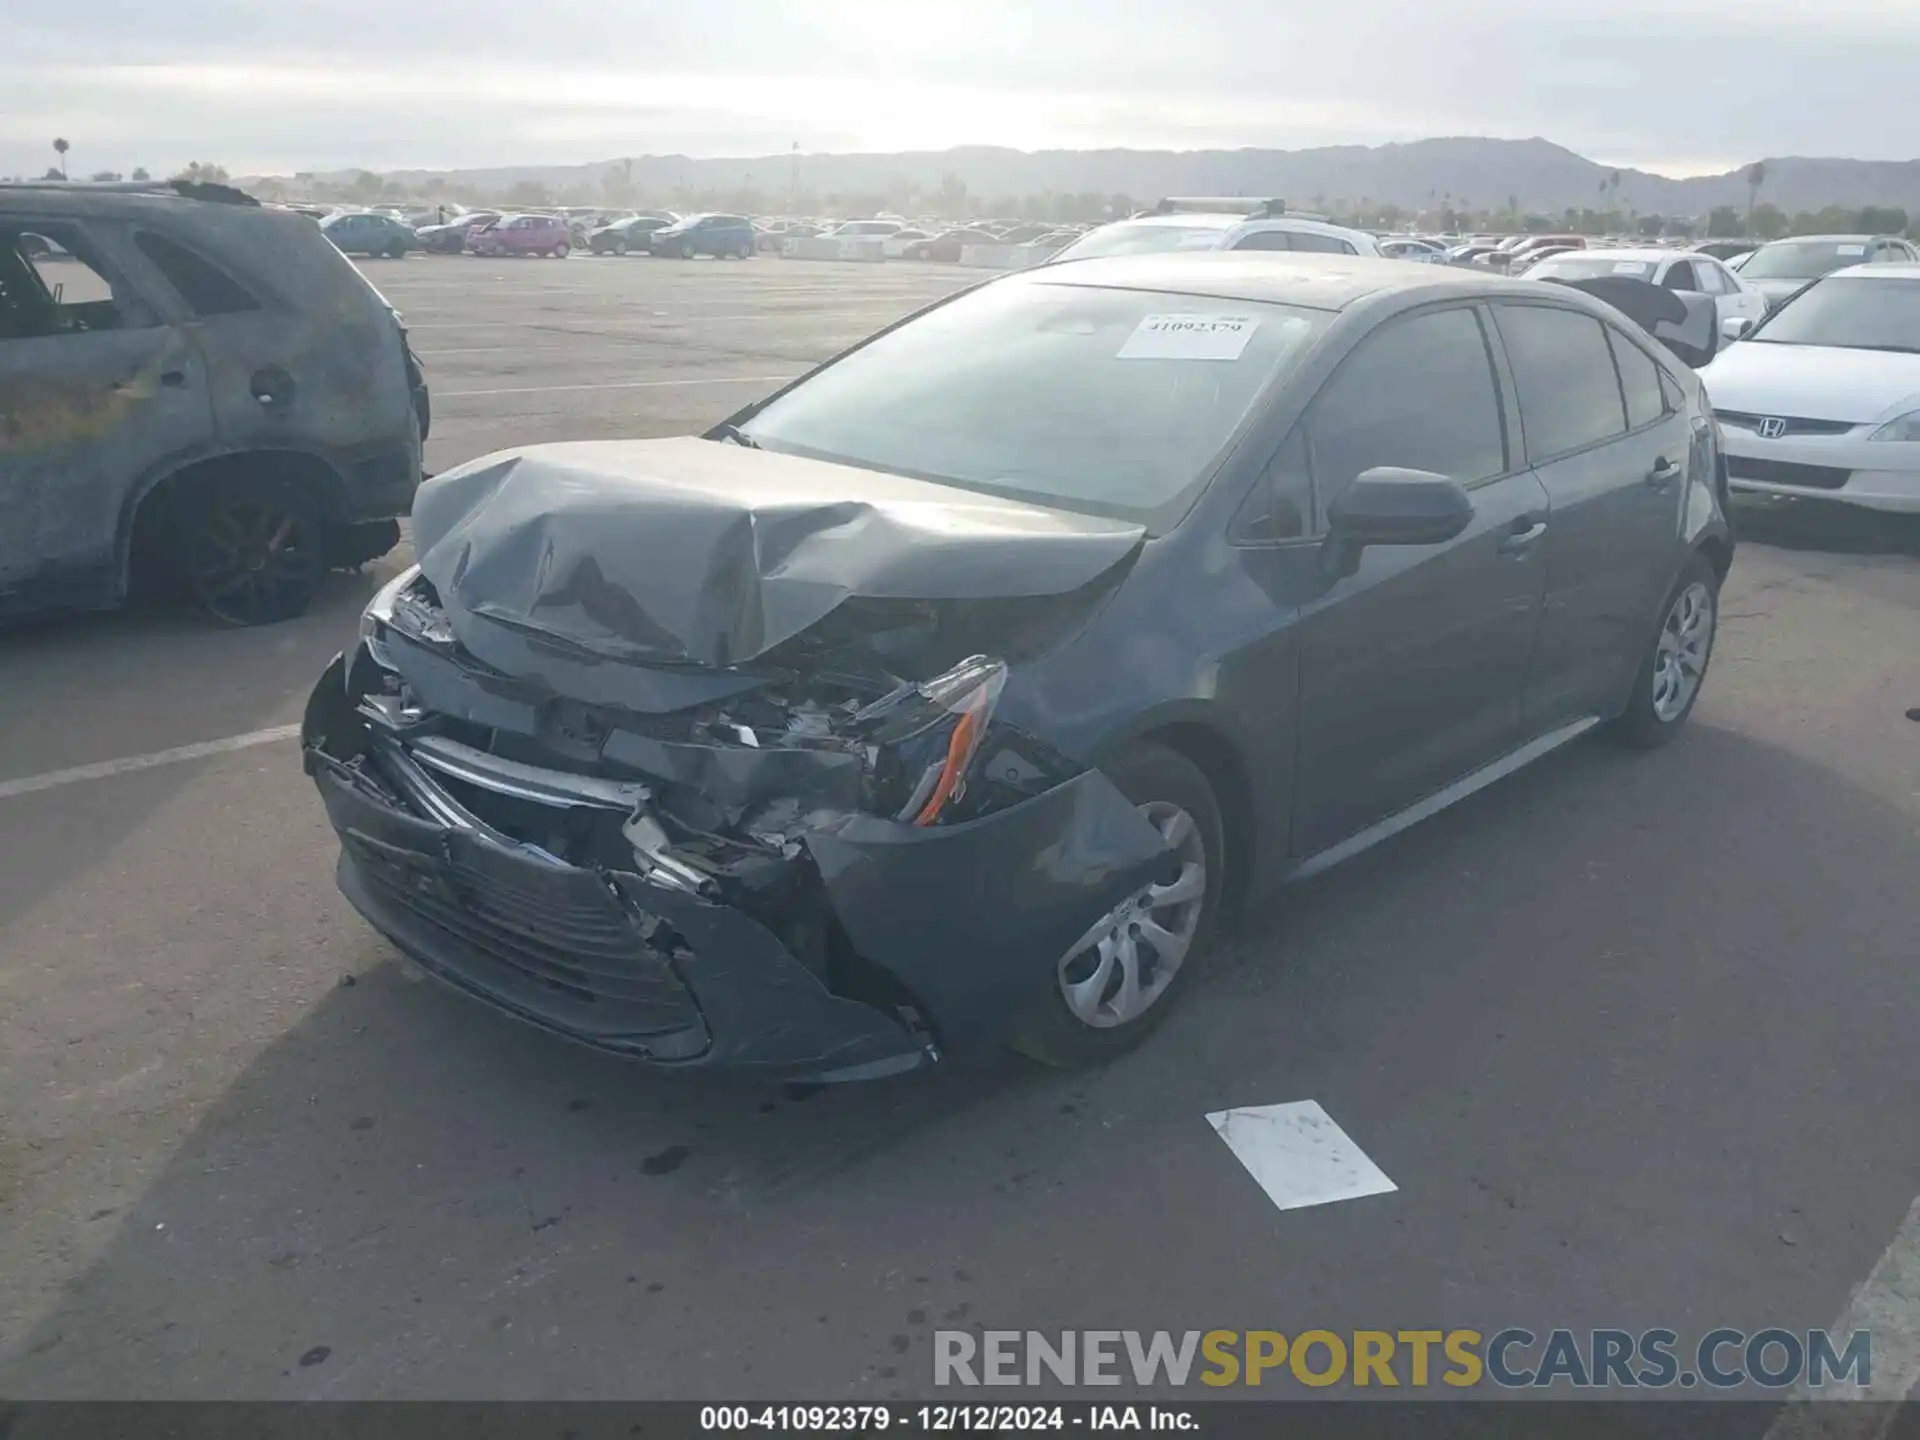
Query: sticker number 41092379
{"type": "Point", "coordinates": [1189, 337]}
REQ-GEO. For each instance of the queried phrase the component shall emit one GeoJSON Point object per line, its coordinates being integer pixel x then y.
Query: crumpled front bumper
{"type": "Point", "coordinates": [968, 920]}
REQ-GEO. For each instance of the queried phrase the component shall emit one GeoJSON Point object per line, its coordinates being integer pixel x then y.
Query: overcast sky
{"type": "Point", "coordinates": [1677, 86]}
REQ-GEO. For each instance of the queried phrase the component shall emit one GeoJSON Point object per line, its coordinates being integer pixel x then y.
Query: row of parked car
{"type": "Point", "coordinates": [394, 233]}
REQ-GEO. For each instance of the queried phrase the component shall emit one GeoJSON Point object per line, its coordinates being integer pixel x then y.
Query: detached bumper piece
{"type": "Point", "coordinates": [860, 949]}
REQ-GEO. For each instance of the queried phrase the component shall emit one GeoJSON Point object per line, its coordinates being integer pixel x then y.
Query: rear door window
{"type": "Point", "coordinates": [1680, 276]}
{"type": "Point", "coordinates": [1563, 369]}
{"type": "Point", "coordinates": [1419, 392]}
{"type": "Point", "coordinates": [1263, 240]}
{"type": "Point", "coordinates": [53, 283]}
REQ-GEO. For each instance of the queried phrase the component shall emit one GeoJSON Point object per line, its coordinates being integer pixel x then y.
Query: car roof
{"type": "Point", "coordinates": [1312, 281]}
{"type": "Point", "coordinates": [1886, 270]}
{"type": "Point", "coordinates": [1246, 224]}
{"type": "Point", "coordinates": [1824, 239]}
{"type": "Point", "coordinates": [1651, 254]}
{"type": "Point", "coordinates": [87, 201]}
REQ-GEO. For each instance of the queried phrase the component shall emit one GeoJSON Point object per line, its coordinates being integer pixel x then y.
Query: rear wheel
{"type": "Point", "coordinates": [1116, 983]}
{"type": "Point", "coordinates": [1675, 667]}
{"type": "Point", "coordinates": [252, 551]}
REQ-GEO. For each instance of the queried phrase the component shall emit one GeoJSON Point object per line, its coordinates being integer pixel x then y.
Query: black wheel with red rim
{"type": "Point", "coordinates": [253, 552]}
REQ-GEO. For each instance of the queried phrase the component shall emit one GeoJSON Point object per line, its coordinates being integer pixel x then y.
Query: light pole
{"type": "Point", "coordinates": [793, 177]}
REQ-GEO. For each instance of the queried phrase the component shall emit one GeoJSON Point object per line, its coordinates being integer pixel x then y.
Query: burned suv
{"type": "Point", "coordinates": [945, 695]}
{"type": "Point", "coordinates": [196, 391]}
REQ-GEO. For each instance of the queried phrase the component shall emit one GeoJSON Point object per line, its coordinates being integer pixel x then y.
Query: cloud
{"type": "Point", "coordinates": [443, 83]}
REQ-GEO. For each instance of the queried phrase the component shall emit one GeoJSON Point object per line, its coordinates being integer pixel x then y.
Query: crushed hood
{"type": "Point", "coordinates": [708, 553]}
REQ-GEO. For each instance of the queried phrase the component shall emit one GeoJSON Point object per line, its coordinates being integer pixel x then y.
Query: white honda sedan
{"type": "Point", "coordinates": [1822, 400]}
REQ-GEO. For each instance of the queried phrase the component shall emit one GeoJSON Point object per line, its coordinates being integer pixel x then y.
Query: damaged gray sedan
{"type": "Point", "coordinates": [942, 698]}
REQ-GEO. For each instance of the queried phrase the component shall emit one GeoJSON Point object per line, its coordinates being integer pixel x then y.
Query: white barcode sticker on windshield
{"type": "Point", "coordinates": [1630, 267]}
{"type": "Point", "coordinates": [1849, 249]}
{"type": "Point", "coordinates": [1189, 337]}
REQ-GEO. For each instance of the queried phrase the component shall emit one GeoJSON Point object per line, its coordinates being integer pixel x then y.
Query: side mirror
{"type": "Point", "coordinates": [1735, 327]}
{"type": "Point", "coordinates": [1392, 506]}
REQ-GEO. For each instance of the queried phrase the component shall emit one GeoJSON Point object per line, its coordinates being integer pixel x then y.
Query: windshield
{"type": "Point", "coordinates": [1803, 259]}
{"type": "Point", "coordinates": [1113, 402]}
{"type": "Point", "coordinates": [1126, 239]}
{"type": "Point", "coordinates": [1856, 313]}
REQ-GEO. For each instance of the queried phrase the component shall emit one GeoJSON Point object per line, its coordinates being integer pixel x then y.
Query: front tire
{"type": "Point", "coordinates": [620, 247]}
{"type": "Point", "coordinates": [1674, 670]}
{"type": "Point", "coordinates": [1118, 982]}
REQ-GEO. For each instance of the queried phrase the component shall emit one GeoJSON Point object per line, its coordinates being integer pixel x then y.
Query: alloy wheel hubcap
{"type": "Point", "coordinates": [1125, 962]}
{"type": "Point", "coordinates": [1680, 655]}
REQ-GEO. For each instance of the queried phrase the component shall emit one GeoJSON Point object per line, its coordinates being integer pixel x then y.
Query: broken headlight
{"type": "Point", "coordinates": [925, 737]}
{"type": "Point", "coordinates": [379, 611]}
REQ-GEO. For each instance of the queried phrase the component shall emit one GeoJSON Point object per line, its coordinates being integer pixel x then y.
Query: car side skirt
{"type": "Point", "coordinates": [1441, 799]}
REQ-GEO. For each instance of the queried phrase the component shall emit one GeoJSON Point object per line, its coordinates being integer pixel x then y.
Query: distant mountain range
{"type": "Point", "coordinates": [1477, 173]}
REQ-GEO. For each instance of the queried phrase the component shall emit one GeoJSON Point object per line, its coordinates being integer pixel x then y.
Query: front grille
{"type": "Point", "coordinates": [1795, 424]}
{"type": "Point", "coordinates": [563, 934]}
{"type": "Point", "coordinates": [1787, 472]}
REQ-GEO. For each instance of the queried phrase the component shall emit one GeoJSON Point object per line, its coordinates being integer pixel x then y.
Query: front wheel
{"type": "Point", "coordinates": [1675, 666]}
{"type": "Point", "coordinates": [1116, 983]}
{"type": "Point", "coordinates": [619, 247]}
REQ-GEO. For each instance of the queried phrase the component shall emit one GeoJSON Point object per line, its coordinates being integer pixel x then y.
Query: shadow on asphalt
{"type": "Point", "coordinates": [1617, 961]}
{"type": "Point", "coordinates": [82, 689]}
{"type": "Point", "coordinates": [1794, 524]}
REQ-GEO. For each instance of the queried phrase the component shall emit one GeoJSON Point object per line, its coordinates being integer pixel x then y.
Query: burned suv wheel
{"type": "Point", "coordinates": [1118, 981]}
{"type": "Point", "coordinates": [251, 551]}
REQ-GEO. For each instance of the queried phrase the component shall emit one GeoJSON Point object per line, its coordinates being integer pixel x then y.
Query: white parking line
{"type": "Point", "coordinates": [1887, 1306]}
{"type": "Point", "coordinates": [1298, 1155]}
{"type": "Point", "coordinates": [105, 768]}
{"type": "Point", "coordinates": [619, 385]}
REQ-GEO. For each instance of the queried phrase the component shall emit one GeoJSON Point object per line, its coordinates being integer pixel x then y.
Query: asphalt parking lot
{"type": "Point", "coordinates": [1632, 1036]}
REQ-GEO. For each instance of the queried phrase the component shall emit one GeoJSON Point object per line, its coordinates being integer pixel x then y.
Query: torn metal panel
{"type": "Point", "coordinates": [973, 917]}
{"type": "Point", "coordinates": [696, 551]}
{"type": "Point", "coordinates": [733, 778]}
{"type": "Point", "coordinates": [809, 939]}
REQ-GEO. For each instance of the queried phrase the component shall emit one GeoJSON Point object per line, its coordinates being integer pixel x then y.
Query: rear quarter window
{"type": "Point", "coordinates": [203, 286]}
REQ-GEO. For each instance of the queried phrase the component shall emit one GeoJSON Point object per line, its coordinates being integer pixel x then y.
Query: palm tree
{"type": "Point", "coordinates": [60, 148]}
{"type": "Point", "coordinates": [1756, 177]}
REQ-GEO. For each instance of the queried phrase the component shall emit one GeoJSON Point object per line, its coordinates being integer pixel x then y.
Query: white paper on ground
{"type": "Point", "coordinates": [1298, 1155]}
{"type": "Point", "coordinates": [1189, 337]}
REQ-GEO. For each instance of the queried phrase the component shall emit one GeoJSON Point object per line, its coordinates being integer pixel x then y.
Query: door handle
{"type": "Point", "coordinates": [1522, 533]}
{"type": "Point", "coordinates": [1663, 473]}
